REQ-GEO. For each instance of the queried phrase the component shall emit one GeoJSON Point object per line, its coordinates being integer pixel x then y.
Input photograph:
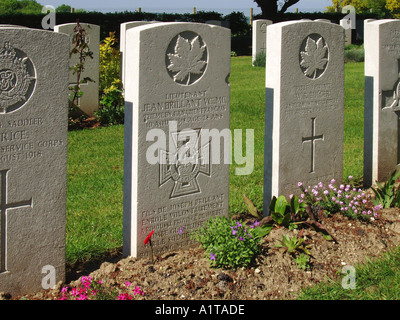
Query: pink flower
{"type": "Point", "coordinates": [124, 296]}
{"type": "Point", "coordinates": [82, 297]}
{"type": "Point", "coordinates": [64, 289]}
{"type": "Point", "coordinates": [138, 290]}
{"type": "Point", "coordinates": [128, 284]}
{"type": "Point", "coordinates": [74, 292]}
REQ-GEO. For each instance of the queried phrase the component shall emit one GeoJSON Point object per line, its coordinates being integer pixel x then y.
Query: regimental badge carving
{"type": "Point", "coordinates": [17, 78]}
{"type": "Point", "coordinates": [185, 164]}
{"type": "Point", "coordinates": [186, 58]}
{"type": "Point", "coordinates": [314, 56]}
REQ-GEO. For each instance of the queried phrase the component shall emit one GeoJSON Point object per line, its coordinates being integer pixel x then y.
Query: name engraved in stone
{"type": "Point", "coordinates": [17, 144]}
{"type": "Point", "coordinates": [184, 108]}
{"type": "Point", "coordinates": [392, 48]}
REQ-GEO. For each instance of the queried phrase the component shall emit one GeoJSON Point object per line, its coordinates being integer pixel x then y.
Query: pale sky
{"type": "Point", "coordinates": [170, 5]}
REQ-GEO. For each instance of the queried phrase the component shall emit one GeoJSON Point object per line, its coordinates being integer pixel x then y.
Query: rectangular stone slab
{"type": "Point", "coordinates": [304, 115]}
{"type": "Point", "coordinates": [176, 83]}
{"type": "Point", "coordinates": [259, 37]}
{"type": "Point", "coordinates": [33, 158]}
{"type": "Point", "coordinates": [382, 75]}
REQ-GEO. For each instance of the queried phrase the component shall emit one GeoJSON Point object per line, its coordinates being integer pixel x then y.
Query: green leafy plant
{"type": "Point", "coordinates": [112, 109]}
{"type": "Point", "coordinates": [292, 245]}
{"type": "Point", "coordinates": [283, 212]}
{"type": "Point", "coordinates": [260, 59]}
{"type": "Point", "coordinates": [302, 261]}
{"type": "Point", "coordinates": [251, 208]}
{"type": "Point", "coordinates": [387, 195]}
{"type": "Point", "coordinates": [228, 243]}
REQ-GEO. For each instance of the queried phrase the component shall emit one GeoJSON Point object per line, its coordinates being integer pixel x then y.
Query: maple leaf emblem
{"type": "Point", "coordinates": [187, 60]}
{"type": "Point", "coordinates": [314, 57]}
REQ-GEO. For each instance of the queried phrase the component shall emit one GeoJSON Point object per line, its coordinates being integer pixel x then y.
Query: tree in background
{"type": "Point", "coordinates": [238, 23]}
{"type": "Point", "coordinates": [394, 7]}
{"type": "Point", "coordinates": [361, 6]}
{"type": "Point", "coordinates": [20, 6]}
{"type": "Point", "coordinates": [64, 8]}
{"type": "Point", "coordinates": [271, 8]}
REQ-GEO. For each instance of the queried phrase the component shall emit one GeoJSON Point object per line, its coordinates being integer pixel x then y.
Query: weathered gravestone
{"type": "Point", "coordinates": [382, 100]}
{"type": "Point", "coordinates": [122, 42]}
{"type": "Point", "coordinates": [304, 117]}
{"type": "Point", "coordinates": [33, 158]}
{"type": "Point", "coordinates": [88, 103]}
{"type": "Point", "coordinates": [176, 90]}
{"type": "Point", "coordinates": [259, 37]}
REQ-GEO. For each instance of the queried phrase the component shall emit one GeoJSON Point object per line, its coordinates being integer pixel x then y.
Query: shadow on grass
{"type": "Point", "coordinates": [84, 267]}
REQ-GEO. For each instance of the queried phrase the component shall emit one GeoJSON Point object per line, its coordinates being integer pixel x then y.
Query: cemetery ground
{"type": "Point", "coordinates": [94, 222]}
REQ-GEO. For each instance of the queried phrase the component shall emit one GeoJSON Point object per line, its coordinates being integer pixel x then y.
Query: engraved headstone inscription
{"type": "Point", "coordinates": [304, 115]}
{"type": "Point", "coordinates": [382, 100]}
{"type": "Point", "coordinates": [176, 124]}
{"type": "Point", "coordinates": [259, 37]}
{"type": "Point", "coordinates": [33, 157]}
{"type": "Point", "coordinates": [88, 103]}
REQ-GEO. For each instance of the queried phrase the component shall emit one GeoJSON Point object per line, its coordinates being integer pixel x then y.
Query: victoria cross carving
{"type": "Point", "coordinates": [184, 165]}
{"type": "Point", "coordinates": [17, 78]}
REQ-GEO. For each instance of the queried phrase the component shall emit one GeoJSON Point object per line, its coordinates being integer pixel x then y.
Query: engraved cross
{"type": "Point", "coordinates": [313, 139]}
{"type": "Point", "coordinates": [4, 206]}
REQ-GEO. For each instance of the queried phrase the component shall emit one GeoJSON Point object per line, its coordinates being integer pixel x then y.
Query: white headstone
{"type": "Point", "coordinates": [382, 100]}
{"type": "Point", "coordinates": [122, 42]}
{"type": "Point", "coordinates": [89, 101]}
{"type": "Point", "coordinates": [259, 37]}
{"type": "Point", "coordinates": [346, 24]}
{"type": "Point", "coordinates": [304, 106]}
{"type": "Point", "coordinates": [176, 89]}
{"type": "Point", "coordinates": [33, 158]}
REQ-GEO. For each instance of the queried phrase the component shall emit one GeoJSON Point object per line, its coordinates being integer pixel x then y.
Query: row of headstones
{"type": "Point", "coordinates": [176, 81]}
{"type": "Point", "coordinates": [259, 34]}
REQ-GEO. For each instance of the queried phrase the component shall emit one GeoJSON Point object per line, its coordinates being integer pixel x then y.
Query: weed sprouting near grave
{"type": "Point", "coordinates": [228, 243]}
{"type": "Point", "coordinates": [81, 48]}
{"type": "Point", "coordinates": [387, 195]}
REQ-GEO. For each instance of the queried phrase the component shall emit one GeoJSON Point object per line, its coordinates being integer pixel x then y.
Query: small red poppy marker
{"type": "Point", "coordinates": [148, 240]}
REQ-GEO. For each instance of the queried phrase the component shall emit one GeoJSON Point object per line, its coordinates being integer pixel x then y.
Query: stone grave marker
{"type": "Point", "coordinates": [382, 96]}
{"type": "Point", "coordinates": [177, 92]}
{"type": "Point", "coordinates": [259, 37]}
{"type": "Point", "coordinates": [33, 158]}
{"type": "Point", "coordinates": [89, 101]}
{"type": "Point", "coordinates": [304, 115]}
{"type": "Point", "coordinates": [122, 42]}
{"type": "Point", "coordinates": [348, 31]}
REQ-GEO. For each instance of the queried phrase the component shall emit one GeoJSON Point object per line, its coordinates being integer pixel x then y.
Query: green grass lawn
{"type": "Point", "coordinates": [377, 279]}
{"type": "Point", "coordinates": [95, 161]}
